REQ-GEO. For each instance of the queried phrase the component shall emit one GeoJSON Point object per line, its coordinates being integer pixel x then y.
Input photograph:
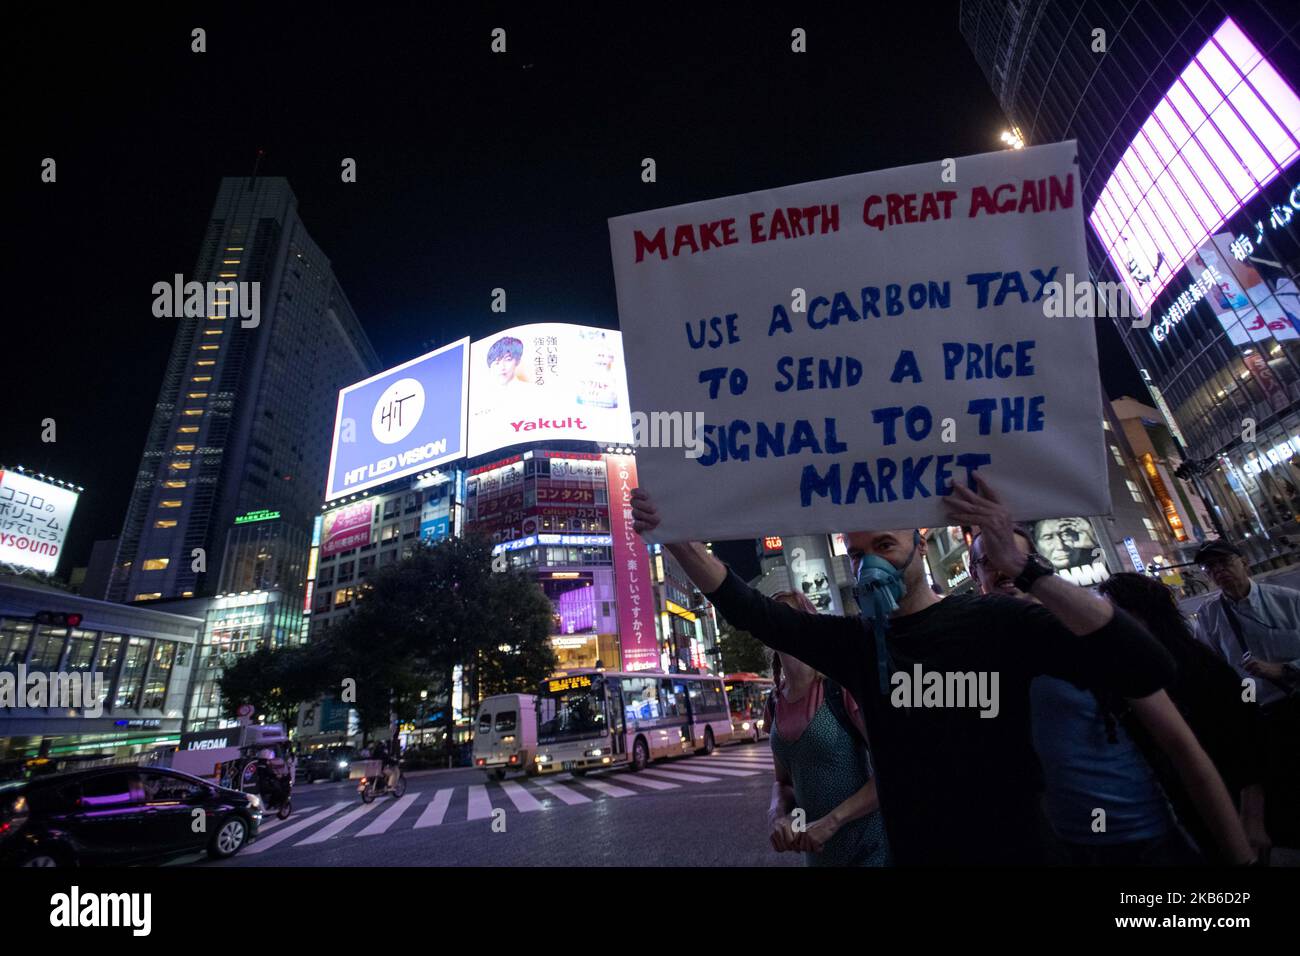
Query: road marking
{"type": "Point", "coordinates": [641, 781]}
{"type": "Point", "coordinates": [436, 810]}
{"type": "Point", "coordinates": [681, 775]}
{"type": "Point", "coordinates": [520, 797]}
{"type": "Point", "coordinates": [479, 804]}
{"type": "Point", "coordinates": [567, 794]}
{"type": "Point", "coordinates": [261, 845]}
{"type": "Point", "coordinates": [389, 816]}
{"type": "Point", "coordinates": [338, 826]}
{"type": "Point", "coordinates": [609, 789]}
{"type": "Point", "coordinates": [725, 770]}
{"type": "Point", "coordinates": [274, 822]}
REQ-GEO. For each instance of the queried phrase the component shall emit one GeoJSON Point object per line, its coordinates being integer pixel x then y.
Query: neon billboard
{"type": "Point", "coordinates": [1223, 131]}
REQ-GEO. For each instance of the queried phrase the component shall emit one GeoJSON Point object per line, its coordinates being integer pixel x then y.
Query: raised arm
{"type": "Point", "coordinates": [828, 643]}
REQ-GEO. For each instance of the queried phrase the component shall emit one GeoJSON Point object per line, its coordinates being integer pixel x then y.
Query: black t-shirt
{"type": "Point", "coordinates": [956, 787]}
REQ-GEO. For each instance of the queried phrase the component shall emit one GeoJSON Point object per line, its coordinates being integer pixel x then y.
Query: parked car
{"type": "Point", "coordinates": [328, 763]}
{"type": "Point", "coordinates": [121, 815]}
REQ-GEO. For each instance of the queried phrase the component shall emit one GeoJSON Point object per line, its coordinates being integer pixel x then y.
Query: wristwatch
{"type": "Point", "coordinates": [1036, 566]}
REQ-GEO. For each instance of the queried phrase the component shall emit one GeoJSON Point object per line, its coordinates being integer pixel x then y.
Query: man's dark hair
{"type": "Point", "coordinates": [505, 347]}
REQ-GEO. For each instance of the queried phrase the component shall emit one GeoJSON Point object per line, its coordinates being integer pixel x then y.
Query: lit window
{"type": "Point", "coordinates": [198, 395]}
{"type": "Point", "coordinates": [227, 275]}
{"type": "Point", "coordinates": [234, 248]}
{"type": "Point", "coordinates": [188, 429]}
{"type": "Point", "coordinates": [180, 465]}
{"type": "Point", "coordinates": [1119, 459]}
{"type": "Point", "coordinates": [169, 503]}
{"type": "Point", "coordinates": [192, 412]}
{"type": "Point", "coordinates": [205, 362]}
{"type": "Point", "coordinates": [174, 483]}
{"type": "Point", "coordinates": [165, 523]}
{"type": "Point", "coordinates": [148, 597]}
{"type": "Point", "coordinates": [208, 348]}
{"type": "Point", "coordinates": [187, 594]}
{"type": "Point", "coordinates": [218, 318]}
{"type": "Point", "coordinates": [184, 449]}
{"type": "Point", "coordinates": [212, 331]}
{"type": "Point", "coordinates": [1133, 490]}
{"type": "Point", "coordinates": [230, 262]}
{"type": "Point", "coordinates": [1105, 425]}
{"type": "Point", "coordinates": [1151, 529]}
{"type": "Point", "coordinates": [156, 564]}
{"type": "Point", "coordinates": [201, 378]}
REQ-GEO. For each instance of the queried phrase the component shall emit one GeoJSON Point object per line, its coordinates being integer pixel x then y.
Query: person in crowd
{"type": "Point", "coordinates": [944, 683]}
{"type": "Point", "coordinates": [1207, 692]}
{"type": "Point", "coordinates": [1255, 627]}
{"type": "Point", "coordinates": [822, 766]}
{"type": "Point", "coordinates": [1103, 800]}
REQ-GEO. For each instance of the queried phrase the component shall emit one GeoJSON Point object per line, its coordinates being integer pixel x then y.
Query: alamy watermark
{"type": "Point", "coordinates": [60, 690]}
{"type": "Point", "coordinates": [669, 430]}
{"type": "Point", "coordinates": [947, 689]}
{"type": "Point", "coordinates": [215, 300]}
{"type": "Point", "coordinates": [1085, 299]}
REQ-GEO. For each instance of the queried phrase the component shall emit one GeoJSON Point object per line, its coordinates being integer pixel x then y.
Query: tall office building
{"type": "Point", "coordinates": [1188, 126]}
{"type": "Point", "coordinates": [244, 415]}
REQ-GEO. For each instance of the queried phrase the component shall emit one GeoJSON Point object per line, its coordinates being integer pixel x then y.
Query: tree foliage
{"type": "Point", "coordinates": [741, 651]}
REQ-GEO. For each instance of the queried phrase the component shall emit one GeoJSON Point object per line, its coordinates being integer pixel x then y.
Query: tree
{"type": "Point", "coordinates": [741, 651]}
{"type": "Point", "coordinates": [441, 608]}
{"type": "Point", "coordinates": [275, 681]}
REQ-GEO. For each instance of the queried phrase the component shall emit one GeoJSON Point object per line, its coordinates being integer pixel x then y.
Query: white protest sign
{"type": "Point", "coordinates": [859, 344]}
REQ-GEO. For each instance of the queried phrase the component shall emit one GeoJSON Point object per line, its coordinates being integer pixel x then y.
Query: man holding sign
{"type": "Point", "coordinates": [957, 777]}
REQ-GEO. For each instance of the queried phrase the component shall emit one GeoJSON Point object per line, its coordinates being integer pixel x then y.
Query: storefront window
{"type": "Point", "coordinates": [132, 678]}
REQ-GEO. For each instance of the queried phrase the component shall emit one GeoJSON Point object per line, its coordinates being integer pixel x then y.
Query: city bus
{"type": "Point", "coordinates": [589, 719]}
{"type": "Point", "coordinates": [747, 695]}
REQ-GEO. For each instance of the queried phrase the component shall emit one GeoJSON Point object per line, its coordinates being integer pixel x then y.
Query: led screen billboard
{"type": "Point", "coordinates": [399, 422]}
{"type": "Point", "coordinates": [34, 518]}
{"type": "Point", "coordinates": [1224, 130]}
{"type": "Point", "coordinates": [547, 381]}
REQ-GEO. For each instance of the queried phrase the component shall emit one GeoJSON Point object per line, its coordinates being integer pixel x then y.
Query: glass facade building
{"type": "Point", "coordinates": [1188, 127]}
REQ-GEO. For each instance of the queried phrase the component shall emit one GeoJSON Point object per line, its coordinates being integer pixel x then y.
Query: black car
{"type": "Point", "coordinates": [328, 763]}
{"type": "Point", "coordinates": [120, 815]}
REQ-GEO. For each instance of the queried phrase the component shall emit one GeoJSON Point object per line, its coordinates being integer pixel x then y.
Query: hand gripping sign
{"type": "Point", "coordinates": [859, 344]}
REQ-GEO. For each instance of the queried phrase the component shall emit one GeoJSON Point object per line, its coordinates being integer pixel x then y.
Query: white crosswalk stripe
{"type": "Point", "coordinates": [436, 810]}
{"type": "Point", "coordinates": [480, 805]}
{"type": "Point", "coordinates": [338, 825]}
{"type": "Point", "coordinates": [643, 781]}
{"type": "Point", "coordinates": [262, 845]}
{"type": "Point", "coordinates": [727, 770]}
{"type": "Point", "coordinates": [565, 793]}
{"type": "Point", "coordinates": [389, 816]}
{"type": "Point", "coordinates": [609, 789]}
{"type": "Point", "coordinates": [524, 801]}
{"type": "Point", "coordinates": [680, 775]}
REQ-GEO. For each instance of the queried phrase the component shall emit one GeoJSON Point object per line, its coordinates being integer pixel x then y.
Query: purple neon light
{"type": "Point", "coordinates": [1227, 128]}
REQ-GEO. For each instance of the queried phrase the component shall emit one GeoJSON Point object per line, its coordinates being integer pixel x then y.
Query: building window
{"type": "Point", "coordinates": [165, 523]}
{"type": "Point", "coordinates": [188, 429]}
{"type": "Point", "coordinates": [1151, 529]}
{"type": "Point", "coordinates": [180, 465]}
{"type": "Point", "coordinates": [169, 503]}
{"type": "Point", "coordinates": [156, 564]}
{"type": "Point", "coordinates": [208, 348]}
{"type": "Point", "coordinates": [174, 483]}
{"type": "Point", "coordinates": [155, 691]}
{"type": "Point", "coordinates": [151, 596]}
{"type": "Point", "coordinates": [192, 412]}
{"type": "Point", "coordinates": [201, 378]}
{"type": "Point", "coordinates": [1133, 490]}
{"type": "Point", "coordinates": [183, 449]}
{"type": "Point", "coordinates": [132, 677]}
{"type": "Point", "coordinates": [196, 394]}
{"type": "Point", "coordinates": [206, 362]}
{"type": "Point", "coordinates": [1119, 459]}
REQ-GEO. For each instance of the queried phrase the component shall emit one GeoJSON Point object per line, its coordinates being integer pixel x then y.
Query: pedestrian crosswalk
{"type": "Point", "coordinates": [441, 806]}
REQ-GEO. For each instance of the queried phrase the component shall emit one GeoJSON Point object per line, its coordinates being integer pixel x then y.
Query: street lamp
{"type": "Point", "coordinates": [1012, 139]}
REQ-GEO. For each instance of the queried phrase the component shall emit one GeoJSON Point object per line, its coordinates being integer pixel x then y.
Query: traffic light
{"type": "Point", "coordinates": [58, 619]}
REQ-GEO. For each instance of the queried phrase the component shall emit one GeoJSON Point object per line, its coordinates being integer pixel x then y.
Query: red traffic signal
{"type": "Point", "coordinates": [58, 619]}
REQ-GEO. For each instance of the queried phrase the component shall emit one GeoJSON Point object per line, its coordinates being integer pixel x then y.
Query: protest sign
{"type": "Point", "coordinates": [856, 345]}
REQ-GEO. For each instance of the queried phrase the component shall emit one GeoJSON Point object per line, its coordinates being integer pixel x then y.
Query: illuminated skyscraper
{"type": "Point", "coordinates": [244, 413]}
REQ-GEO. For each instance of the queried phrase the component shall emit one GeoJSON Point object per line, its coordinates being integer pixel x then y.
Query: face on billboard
{"type": "Point", "coordinates": [400, 422]}
{"type": "Point", "coordinates": [1065, 542]}
{"type": "Point", "coordinates": [547, 381]}
{"type": "Point", "coordinates": [34, 518]}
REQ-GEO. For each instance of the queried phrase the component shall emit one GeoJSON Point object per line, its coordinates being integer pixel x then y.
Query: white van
{"type": "Point", "coordinates": [505, 734]}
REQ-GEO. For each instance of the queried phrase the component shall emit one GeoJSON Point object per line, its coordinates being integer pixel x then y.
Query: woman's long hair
{"type": "Point", "coordinates": [1153, 604]}
{"type": "Point", "coordinates": [798, 601]}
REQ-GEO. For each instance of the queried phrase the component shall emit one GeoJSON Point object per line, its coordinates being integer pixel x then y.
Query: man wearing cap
{"type": "Point", "coordinates": [1256, 628]}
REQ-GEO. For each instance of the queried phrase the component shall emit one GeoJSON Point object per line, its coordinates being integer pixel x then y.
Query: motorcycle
{"type": "Point", "coordinates": [256, 775]}
{"type": "Point", "coordinates": [373, 782]}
